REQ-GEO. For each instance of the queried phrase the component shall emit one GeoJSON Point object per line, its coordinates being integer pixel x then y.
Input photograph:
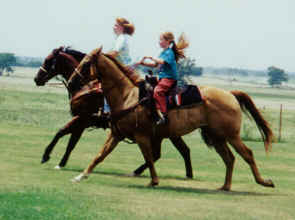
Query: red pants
{"type": "Point", "coordinates": [161, 91]}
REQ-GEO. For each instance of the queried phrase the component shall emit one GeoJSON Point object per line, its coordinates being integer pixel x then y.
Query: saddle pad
{"type": "Point", "coordinates": [189, 95]}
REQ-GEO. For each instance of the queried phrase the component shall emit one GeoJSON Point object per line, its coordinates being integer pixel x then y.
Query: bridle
{"type": "Point", "coordinates": [83, 79]}
{"type": "Point", "coordinates": [53, 69]}
{"type": "Point", "coordinates": [43, 69]}
{"type": "Point", "coordinates": [78, 72]}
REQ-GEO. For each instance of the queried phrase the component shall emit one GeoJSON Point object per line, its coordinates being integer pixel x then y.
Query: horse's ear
{"type": "Point", "coordinates": [95, 53]}
{"type": "Point", "coordinates": [99, 50]}
{"type": "Point", "coordinates": [56, 51]}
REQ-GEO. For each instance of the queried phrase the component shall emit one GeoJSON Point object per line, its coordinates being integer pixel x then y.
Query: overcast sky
{"type": "Point", "coordinates": [251, 34]}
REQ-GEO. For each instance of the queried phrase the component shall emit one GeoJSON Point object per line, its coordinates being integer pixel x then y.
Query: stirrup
{"type": "Point", "coordinates": [162, 121]}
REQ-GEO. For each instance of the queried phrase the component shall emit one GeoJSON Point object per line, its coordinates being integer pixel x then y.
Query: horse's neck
{"type": "Point", "coordinates": [68, 66]}
{"type": "Point", "coordinates": [119, 90]}
{"type": "Point", "coordinates": [66, 71]}
{"type": "Point", "coordinates": [118, 100]}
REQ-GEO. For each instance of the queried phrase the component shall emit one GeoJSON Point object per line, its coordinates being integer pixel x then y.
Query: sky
{"type": "Point", "coordinates": [252, 34]}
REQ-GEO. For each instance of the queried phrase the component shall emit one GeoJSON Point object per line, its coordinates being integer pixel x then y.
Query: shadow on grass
{"type": "Point", "coordinates": [174, 188]}
{"type": "Point", "coordinates": [202, 191]}
{"type": "Point", "coordinates": [118, 173]}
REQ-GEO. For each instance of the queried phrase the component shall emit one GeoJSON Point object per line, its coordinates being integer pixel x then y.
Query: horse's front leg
{"type": "Point", "coordinates": [156, 150]}
{"type": "Point", "coordinates": [145, 144]}
{"type": "Point", "coordinates": [75, 137]}
{"type": "Point", "coordinates": [183, 149]}
{"type": "Point", "coordinates": [67, 129]}
{"type": "Point", "coordinates": [77, 129]}
{"type": "Point", "coordinates": [108, 147]}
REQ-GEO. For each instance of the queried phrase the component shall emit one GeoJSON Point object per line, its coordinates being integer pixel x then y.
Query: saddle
{"type": "Point", "coordinates": [177, 97]}
{"type": "Point", "coordinates": [89, 100]}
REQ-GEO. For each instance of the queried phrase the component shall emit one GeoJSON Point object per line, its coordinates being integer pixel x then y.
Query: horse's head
{"type": "Point", "coordinates": [61, 61]}
{"type": "Point", "coordinates": [49, 68]}
{"type": "Point", "coordinates": [85, 71]}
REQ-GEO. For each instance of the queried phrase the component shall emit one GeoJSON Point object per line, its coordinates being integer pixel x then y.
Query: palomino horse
{"type": "Point", "coordinates": [63, 61]}
{"type": "Point", "coordinates": [219, 118]}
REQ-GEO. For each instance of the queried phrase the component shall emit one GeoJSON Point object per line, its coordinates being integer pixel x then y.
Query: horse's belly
{"type": "Point", "coordinates": [184, 121]}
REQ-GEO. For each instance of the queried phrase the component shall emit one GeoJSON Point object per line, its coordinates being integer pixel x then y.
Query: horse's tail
{"type": "Point", "coordinates": [247, 105]}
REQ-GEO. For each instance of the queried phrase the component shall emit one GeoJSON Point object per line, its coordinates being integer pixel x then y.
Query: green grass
{"type": "Point", "coordinates": [28, 190]}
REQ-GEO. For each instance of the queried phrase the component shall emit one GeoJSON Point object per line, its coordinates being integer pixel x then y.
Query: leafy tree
{"type": "Point", "coordinates": [28, 61]}
{"type": "Point", "coordinates": [7, 60]}
{"type": "Point", "coordinates": [197, 71]}
{"type": "Point", "coordinates": [186, 68]}
{"type": "Point", "coordinates": [276, 76]}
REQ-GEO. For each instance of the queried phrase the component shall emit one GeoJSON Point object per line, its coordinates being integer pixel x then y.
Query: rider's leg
{"type": "Point", "coordinates": [160, 92]}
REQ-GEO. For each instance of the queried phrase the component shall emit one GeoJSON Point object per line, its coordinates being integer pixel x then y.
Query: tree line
{"type": "Point", "coordinates": [9, 60]}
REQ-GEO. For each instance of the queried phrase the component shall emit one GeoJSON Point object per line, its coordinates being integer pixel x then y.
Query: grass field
{"type": "Point", "coordinates": [30, 116]}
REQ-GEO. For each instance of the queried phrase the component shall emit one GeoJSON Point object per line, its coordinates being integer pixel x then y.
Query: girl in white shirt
{"type": "Point", "coordinates": [124, 30]}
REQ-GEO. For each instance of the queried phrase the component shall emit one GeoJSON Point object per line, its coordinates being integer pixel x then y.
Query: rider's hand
{"type": "Point", "coordinates": [148, 57]}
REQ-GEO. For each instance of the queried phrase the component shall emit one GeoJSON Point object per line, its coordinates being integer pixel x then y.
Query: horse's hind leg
{"type": "Point", "coordinates": [183, 149]}
{"type": "Point", "coordinates": [248, 156]}
{"type": "Point", "coordinates": [228, 158]}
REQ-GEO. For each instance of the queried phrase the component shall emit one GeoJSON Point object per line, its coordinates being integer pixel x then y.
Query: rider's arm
{"type": "Point", "coordinates": [157, 61]}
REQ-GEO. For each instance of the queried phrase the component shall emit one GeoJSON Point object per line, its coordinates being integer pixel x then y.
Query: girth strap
{"type": "Point", "coordinates": [115, 117]}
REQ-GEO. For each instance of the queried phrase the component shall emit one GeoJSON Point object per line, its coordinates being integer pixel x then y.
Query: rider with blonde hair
{"type": "Point", "coordinates": [166, 64]}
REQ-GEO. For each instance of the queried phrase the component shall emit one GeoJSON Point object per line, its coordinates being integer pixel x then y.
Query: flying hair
{"type": "Point", "coordinates": [178, 48]}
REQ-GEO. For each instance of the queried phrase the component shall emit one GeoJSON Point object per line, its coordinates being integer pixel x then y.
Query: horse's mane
{"type": "Point", "coordinates": [131, 74]}
{"type": "Point", "coordinates": [76, 54]}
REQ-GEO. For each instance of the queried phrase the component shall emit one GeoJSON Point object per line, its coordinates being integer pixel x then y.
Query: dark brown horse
{"type": "Point", "coordinates": [63, 61]}
{"type": "Point", "coordinates": [219, 117]}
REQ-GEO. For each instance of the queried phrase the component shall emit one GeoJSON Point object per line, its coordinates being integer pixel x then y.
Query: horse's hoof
{"type": "Point", "coordinates": [79, 178]}
{"type": "Point", "coordinates": [153, 184]}
{"type": "Point", "coordinates": [57, 167]}
{"type": "Point", "coordinates": [45, 159]}
{"type": "Point", "coordinates": [132, 174]}
{"type": "Point", "coordinates": [269, 183]}
{"type": "Point", "coordinates": [224, 188]}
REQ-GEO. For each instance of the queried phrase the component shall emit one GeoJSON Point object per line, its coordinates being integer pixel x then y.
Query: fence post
{"type": "Point", "coordinates": [280, 125]}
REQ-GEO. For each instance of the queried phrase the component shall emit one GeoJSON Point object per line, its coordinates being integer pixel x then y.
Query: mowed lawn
{"type": "Point", "coordinates": [30, 116]}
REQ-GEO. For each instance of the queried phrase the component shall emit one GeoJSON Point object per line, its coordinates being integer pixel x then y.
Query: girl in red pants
{"type": "Point", "coordinates": [166, 64]}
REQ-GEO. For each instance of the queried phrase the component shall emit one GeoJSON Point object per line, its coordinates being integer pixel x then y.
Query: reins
{"type": "Point", "coordinates": [43, 69]}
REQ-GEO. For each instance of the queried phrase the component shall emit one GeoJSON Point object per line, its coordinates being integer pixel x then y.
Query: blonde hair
{"type": "Point", "coordinates": [178, 48]}
{"type": "Point", "coordinates": [128, 28]}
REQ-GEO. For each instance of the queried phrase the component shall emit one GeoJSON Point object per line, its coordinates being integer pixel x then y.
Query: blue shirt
{"type": "Point", "coordinates": [168, 70]}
